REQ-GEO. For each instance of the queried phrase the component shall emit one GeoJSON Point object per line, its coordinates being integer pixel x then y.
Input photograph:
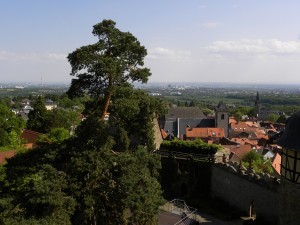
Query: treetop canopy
{"type": "Point", "coordinates": [112, 61]}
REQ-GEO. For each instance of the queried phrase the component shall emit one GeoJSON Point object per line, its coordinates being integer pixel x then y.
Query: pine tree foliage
{"type": "Point", "coordinates": [10, 127]}
{"type": "Point", "coordinates": [194, 147]}
{"type": "Point", "coordinates": [81, 181]}
{"type": "Point", "coordinates": [116, 60]}
{"type": "Point", "coordinates": [38, 116]}
{"type": "Point", "coordinates": [105, 173]}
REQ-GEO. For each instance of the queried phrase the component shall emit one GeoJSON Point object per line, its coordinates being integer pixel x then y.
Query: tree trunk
{"type": "Point", "coordinates": [106, 105]}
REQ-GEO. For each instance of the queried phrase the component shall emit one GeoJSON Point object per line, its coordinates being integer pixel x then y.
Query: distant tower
{"type": "Point", "coordinates": [222, 117]}
{"type": "Point", "coordinates": [289, 195]}
{"type": "Point", "coordinates": [41, 84]}
{"type": "Point", "coordinates": [257, 105]}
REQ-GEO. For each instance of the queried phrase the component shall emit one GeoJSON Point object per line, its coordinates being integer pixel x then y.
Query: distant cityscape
{"type": "Point", "coordinates": [178, 85]}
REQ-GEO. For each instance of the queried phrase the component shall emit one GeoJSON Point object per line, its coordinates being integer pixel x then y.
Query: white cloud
{"type": "Point", "coordinates": [285, 47]}
{"type": "Point", "coordinates": [210, 25]}
{"type": "Point", "coordinates": [9, 56]}
{"type": "Point", "coordinates": [56, 56]}
{"type": "Point", "coordinates": [168, 54]}
{"type": "Point", "coordinates": [12, 56]}
{"type": "Point", "coordinates": [256, 46]}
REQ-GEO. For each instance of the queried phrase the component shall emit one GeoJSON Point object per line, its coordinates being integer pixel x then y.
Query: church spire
{"type": "Point", "coordinates": [257, 105]}
{"type": "Point", "coordinates": [257, 101]}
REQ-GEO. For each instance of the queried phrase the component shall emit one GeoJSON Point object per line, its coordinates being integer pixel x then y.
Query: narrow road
{"type": "Point", "coordinates": [169, 218]}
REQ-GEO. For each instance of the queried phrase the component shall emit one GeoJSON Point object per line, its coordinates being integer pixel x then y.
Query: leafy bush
{"type": "Point", "coordinates": [258, 163]}
{"type": "Point", "coordinates": [195, 147]}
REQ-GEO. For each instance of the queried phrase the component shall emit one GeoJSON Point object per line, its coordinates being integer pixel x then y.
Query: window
{"type": "Point", "coordinates": [222, 116]}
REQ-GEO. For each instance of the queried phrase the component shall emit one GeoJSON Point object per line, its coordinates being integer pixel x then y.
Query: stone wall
{"type": "Point", "coordinates": [184, 178]}
{"type": "Point", "coordinates": [239, 187]}
{"type": "Point", "coordinates": [289, 203]}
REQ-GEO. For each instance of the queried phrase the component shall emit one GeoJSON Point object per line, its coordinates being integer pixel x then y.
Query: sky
{"type": "Point", "coordinates": [235, 41]}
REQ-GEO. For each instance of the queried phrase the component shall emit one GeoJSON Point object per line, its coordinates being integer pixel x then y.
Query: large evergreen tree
{"type": "Point", "coordinates": [134, 111]}
{"type": "Point", "coordinates": [81, 181]}
{"type": "Point", "coordinates": [114, 61]}
{"type": "Point", "coordinates": [38, 116]}
{"type": "Point", "coordinates": [104, 174]}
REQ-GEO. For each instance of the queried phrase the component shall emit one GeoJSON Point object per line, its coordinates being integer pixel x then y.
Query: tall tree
{"type": "Point", "coordinates": [80, 181]}
{"type": "Point", "coordinates": [38, 116]}
{"type": "Point", "coordinates": [10, 126]}
{"type": "Point", "coordinates": [116, 60]}
{"type": "Point", "coordinates": [133, 112]}
{"type": "Point", "coordinates": [83, 180]}
{"type": "Point", "coordinates": [60, 118]}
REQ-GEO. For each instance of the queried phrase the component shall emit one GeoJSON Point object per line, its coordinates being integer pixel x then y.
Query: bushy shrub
{"type": "Point", "coordinates": [194, 147]}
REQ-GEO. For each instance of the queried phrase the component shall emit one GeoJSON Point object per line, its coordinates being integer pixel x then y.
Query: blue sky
{"type": "Point", "coordinates": [254, 41]}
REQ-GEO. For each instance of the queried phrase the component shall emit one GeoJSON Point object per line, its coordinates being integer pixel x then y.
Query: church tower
{"type": "Point", "coordinates": [289, 195]}
{"type": "Point", "coordinates": [222, 118]}
{"type": "Point", "coordinates": [257, 105]}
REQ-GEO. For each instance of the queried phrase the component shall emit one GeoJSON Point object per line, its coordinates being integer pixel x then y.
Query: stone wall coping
{"type": "Point", "coordinates": [262, 179]}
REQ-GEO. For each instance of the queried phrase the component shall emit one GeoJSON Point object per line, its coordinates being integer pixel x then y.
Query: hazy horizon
{"type": "Point", "coordinates": [157, 83]}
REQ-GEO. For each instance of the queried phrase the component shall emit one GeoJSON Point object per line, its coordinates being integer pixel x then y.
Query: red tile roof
{"type": "Point", "coordinates": [205, 132]}
{"type": "Point", "coordinates": [276, 163]}
{"type": "Point", "coordinates": [232, 120]}
{"type": "Point", "coordinates": [243, 126]}
{"type": "Point", "coordinates": [252, 124]}
{"type": "Point", "coordinates": [30, 137]}
{"type": "Point", "coordinates": [244, 141]}
{"type": "Point", "coordinates": [6, 154]}
{"type": "Point", "coordinates": [240, 151]}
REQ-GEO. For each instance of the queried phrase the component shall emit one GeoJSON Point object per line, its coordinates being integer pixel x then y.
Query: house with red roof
{"type": "Point", "coordinates": [207, 134]}
{"type": "Point", "coordinates": [238, 151]}
{"type": "Point", "coordinates": [7, 154]}
{"type": "Point", "coordinates": [176, 121]}
{"type": "Point", "coordinates": [30, 137]}
{"type": "Point", "coordinates": [276, 163]}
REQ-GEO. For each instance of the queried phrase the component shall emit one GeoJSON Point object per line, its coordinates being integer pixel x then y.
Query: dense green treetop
{"type": "Point", "coordinates": [104, 174]}
{"type": "Point", "coordinates": [240, 111]}
{"type": "Point", "coordinates": [132, 113]}
{"type": "Point", "coordinates": [81, 181]}
{"type": "Point", "coordinates": [6, 101]}
{"type": "Point", "coordinates": [273, 118]}
{"type": "Point", "coordinates": [194, 147]}
{"type": "Point", "coordinates": [37, 117]}
{"type": "Point", "coordinates": [10, 126]}
{"type": "Point", "coordinates": [57, 135]}
{"type": "Point", "coordinates": [131, 118]}
{"type": "Point", "coordinates": [257, 162]}
{"type": "Point", "coordinates": [115, 60]}
{"type": "Point", "coordinates": [62, 118]}
{"type": "Point", "coordinates": [42, 120]}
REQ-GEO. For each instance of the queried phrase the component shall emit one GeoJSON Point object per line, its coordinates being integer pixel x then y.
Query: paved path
{"type": "Point", "coordinates": [168, 218]}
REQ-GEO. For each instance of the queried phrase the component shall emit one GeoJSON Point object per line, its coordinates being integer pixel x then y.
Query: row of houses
{"type": "Point", "coordinates": [27, 107]}
{"type": "Point", "coordinates": [236, 137]}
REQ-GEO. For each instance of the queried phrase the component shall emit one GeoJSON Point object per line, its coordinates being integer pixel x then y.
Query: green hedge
{"type": "Point", "coordinates": [195, 147]}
